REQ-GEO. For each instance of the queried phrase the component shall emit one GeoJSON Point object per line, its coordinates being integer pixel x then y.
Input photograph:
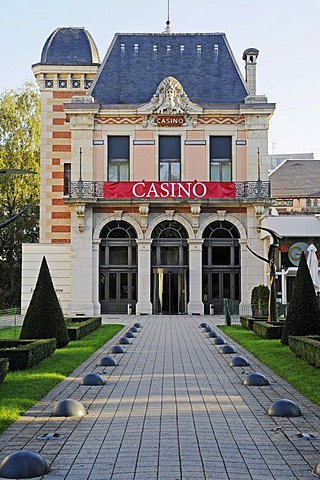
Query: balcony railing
{"type": "Point", "coordinates": [246, 190]}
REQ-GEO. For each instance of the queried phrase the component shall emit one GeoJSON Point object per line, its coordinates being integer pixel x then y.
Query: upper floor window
{"type": "Point", "coordinates": [169, 158]}
{"type": "Point", "coordinates": [220, 159]}
{"type": "Point", "coordinates": [66, 178]}
{"type": "Point", "coordinates": [118, 158]}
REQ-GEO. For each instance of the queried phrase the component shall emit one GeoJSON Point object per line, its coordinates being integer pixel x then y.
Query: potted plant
{"type": "Point", "coordinates": [259, 301]}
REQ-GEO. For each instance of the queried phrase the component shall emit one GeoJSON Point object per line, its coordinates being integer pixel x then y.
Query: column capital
{"type": "Point", "coordinates": [143, 243]}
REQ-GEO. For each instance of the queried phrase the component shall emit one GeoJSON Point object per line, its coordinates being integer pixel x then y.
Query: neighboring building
{"type": "Point", "coordinates": [295, 215]}
{"type": "Point", "coordinates": [274, 160]}
{"type": "Point", "coordinates": [154, 179]}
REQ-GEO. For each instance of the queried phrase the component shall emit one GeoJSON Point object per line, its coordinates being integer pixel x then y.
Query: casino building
{"type": "Point", "coordinates": [154, 175]}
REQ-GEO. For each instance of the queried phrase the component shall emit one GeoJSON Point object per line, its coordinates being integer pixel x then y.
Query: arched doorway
{"type": "Point", "coordinates": [169, 264]}
{"type": "Point", "coordinates": [220, 265]}
{"type": "Point", "coordinates": [117, 267]}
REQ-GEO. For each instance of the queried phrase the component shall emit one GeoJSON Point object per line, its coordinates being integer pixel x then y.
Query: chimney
{"type": "Point", "coordinates": [250, 56]}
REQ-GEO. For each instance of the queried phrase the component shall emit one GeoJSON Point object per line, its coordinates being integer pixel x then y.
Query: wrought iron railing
{"type": "Point", "coordinates": [251, 189]}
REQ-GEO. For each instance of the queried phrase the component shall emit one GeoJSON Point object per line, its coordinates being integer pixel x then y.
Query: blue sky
{"type": "Point", "coordinates": [286, 32]}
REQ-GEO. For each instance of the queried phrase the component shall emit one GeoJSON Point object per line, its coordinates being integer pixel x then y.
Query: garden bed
{"type": "Point", "coordinates": [268, 330]}
{"type": "Point", "coordinates": [308, 348]}
{"type": "Point", "coordinates": [247, 322]}
{"type": "Point", "coordinates": [24, 354]}
{"type": "Point", "coordinates": [82, 326]}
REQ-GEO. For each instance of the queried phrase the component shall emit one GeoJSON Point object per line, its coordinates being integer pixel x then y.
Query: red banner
{"type": "Point", "coordinates": [169, 190]}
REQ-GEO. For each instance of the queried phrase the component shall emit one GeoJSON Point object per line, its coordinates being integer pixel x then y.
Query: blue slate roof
{"type": "Point", "coordinates": [70, 46]}
{"type": "Point", "coordinates": [135, 64]}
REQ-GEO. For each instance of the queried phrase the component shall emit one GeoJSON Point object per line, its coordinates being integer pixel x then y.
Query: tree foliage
{"type": "Point", "coordinates": [44, 317]}
{"type": "Point", "coordinates": [19, 148]}
{"type": "Point", "coordinates": [303, 315]}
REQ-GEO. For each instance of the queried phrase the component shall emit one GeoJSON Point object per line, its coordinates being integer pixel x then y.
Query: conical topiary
{"type": "Point", "coordinates": [303, 315]}
{"type": "Point", "coordinates": [44, 317]}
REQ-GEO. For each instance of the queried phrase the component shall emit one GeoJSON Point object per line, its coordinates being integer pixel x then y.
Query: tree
{"type": "Point", "coordinates": [303, 315]}
{"type": "Point", "coordinates": [19, 148]}
{"type": "Point", "coordinates": [44, 317]}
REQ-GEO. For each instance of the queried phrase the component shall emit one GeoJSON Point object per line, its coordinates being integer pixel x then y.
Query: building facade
{"type": "Point", "coordinates": [154, 174]}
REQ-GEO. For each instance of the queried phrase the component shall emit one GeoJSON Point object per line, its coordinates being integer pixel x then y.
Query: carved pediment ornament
{"type": "Point", "coordinates": [170, 99]}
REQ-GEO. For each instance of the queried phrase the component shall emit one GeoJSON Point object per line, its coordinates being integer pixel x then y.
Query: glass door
{"type": "Point", "coordinates": [169, 291]}
{"type": "Point", "coordinates": [117, 290]}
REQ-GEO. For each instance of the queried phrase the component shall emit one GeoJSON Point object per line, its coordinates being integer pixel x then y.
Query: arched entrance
{"type": "Point", "coordinates": [220, 265]}
{"type": "Point", "coordinates": [169, 264]}
{"type": "Point", "coordinates": [117, 267]}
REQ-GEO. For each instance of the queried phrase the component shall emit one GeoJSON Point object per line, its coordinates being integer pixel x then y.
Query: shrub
{"type": "Point", "coordinates": [86, 326]}
{"type": "Point", "coordinates": [4, 367]}
{"type": "Point", "coordinates": [26, 353]}
{"type": "Point", "coordinates": [308, 348]}
{"type": "Point", "coordinates": [44, 317]}
{"type": "Point", "coordinates": [268, 330]}
{"type": "Point", "coordinates": [303, 314]}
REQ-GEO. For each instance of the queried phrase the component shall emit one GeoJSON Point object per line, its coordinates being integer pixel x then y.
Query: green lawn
{"type": "Point", "coordinates": [280, 359]}
{"type": "Point", "coordinates": [20, 390]}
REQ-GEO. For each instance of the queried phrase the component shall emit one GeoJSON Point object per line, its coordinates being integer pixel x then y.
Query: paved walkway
{"type": "Point", "coordinates": [171, 409]}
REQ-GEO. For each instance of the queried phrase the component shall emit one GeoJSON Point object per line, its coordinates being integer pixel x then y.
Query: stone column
{"type": "Point", "coordinates": [95, 276]}
{"type": "Point", "coordinates": [81, 262]}
{"type": "Point", "coordinates": [195, 305]}
{"type": "Point", "coordinates": [144, 305]}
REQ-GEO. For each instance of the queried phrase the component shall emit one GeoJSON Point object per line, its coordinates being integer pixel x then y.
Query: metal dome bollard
{"type": "Point", "coordinates": [68, 408]}
{"type": "Point", "coordinates": [124, 341]}
{"type": "Point", "coordinates": [108, 361]}
{"type": "Point", "coordinates": [23, 464]}
{"type": "Point", "coordinates": [92, 380]}
{"type": "Point", "coordinates": [228, 349]}
{"type": "Point", "coordinates": [203, 325]}
{"type": "Point", "coordinates": [284, 408]}
{"type": "Point", "coordinates": [118, 349]}
{"type": "Point", "coordinates": [207, 329]}
{"type": "Point", "coordinates": [129, 334]}
{"type": "Point", "coordinates": [218, 341]}
{"type": "Point", "coordinates": [137, 325]}
{"type": "Point", "coordinates": [316, 470]}
{"type": "Point", "coordinates": [255, 380]}
{"type": "Point", "coordinates": [239, 361]}
{"type": "Point", "coordinates": [212, 334]}
{"type": "Point", "coordinates": [133, 329]}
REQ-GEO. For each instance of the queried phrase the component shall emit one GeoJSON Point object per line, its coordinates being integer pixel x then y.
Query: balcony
{"type": "Point", "coordinates": [245, 191]}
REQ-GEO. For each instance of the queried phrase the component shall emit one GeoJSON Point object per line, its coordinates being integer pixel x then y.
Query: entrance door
{"type": "Point", "coordinates": [169, 291]}
{"type": "Point", "coordinates": [217, 286]}
{"type": "Point", "coordinates": [221, 265]}
{"type": "Point", "coordinates": [118, 289]}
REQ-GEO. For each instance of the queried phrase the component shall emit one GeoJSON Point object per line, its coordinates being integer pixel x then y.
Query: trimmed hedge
{"type": "Point", "coordinates": [24, 354]}
{"type": "Point", "coordinates": [84, 326]}
{"type": "Point", "coordinates": [306, 347]}
{"type": "Point", "coordinates": [268, 330]}
{"type": "Point", "coordinates": [4, 367]}
{"type": "Point", "coordinates": [247, 322]}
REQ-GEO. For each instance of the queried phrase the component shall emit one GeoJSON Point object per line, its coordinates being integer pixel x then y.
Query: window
{"type": "Point", "coordinates": [169, 158]}
{"type": "Point", "coordinates": [118, 158]}
{"type": "Point", "coordinates": [220, 159]}
{"type": "Point", "coordinates": [66, 178]}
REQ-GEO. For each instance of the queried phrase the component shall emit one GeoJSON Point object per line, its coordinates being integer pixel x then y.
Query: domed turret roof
{"type": "Point", "coordinates": [70, 46]}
